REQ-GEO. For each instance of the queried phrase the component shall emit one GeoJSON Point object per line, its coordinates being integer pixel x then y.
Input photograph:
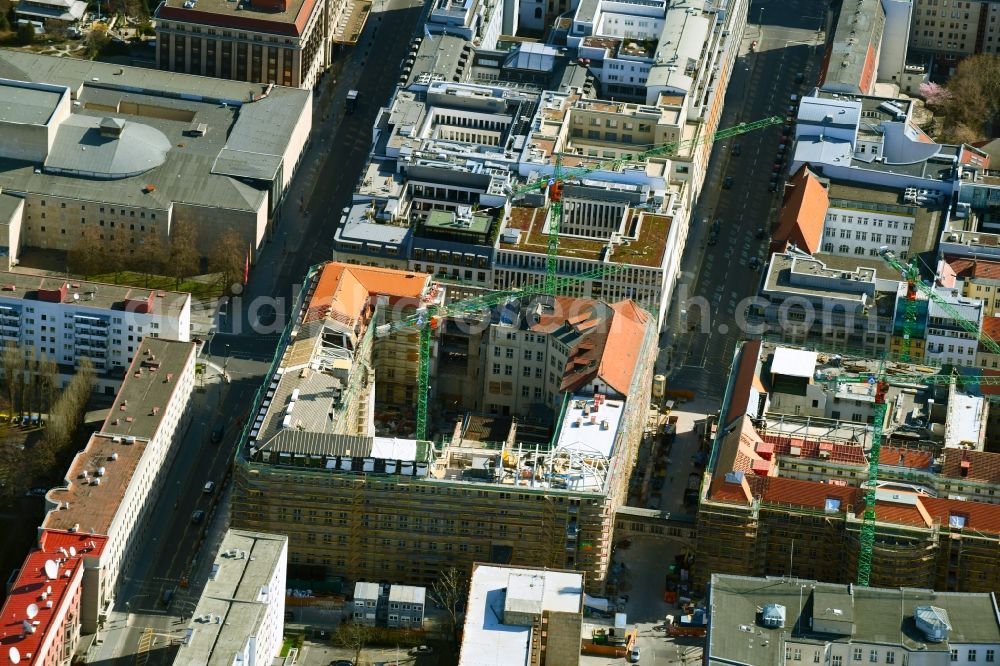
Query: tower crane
{"type": "Point", "coordinates": [560, 175]}
{"type": "Point", "coordinates": [880, 382]}
{"type": "Point", "coordinates": [428, 319]}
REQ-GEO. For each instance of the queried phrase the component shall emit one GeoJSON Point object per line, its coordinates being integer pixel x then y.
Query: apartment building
{"type": "Point", "coordinates": [167, 150]}
{"type": "Point", "coordinates": [240, 616]}
{"type": "Point", "coordinates": [805, 300]}
{"type": "Point", "coordinates": [522, 615]}
{"type": "Point", "coordinates": [104, 323]}
{"type": "Point", "coordinates": [985, 358]}
{"type": "Point", "coordinates": [955, 30]}
{"type": "Point", "coordinates": [808, 621]}
{"type": "Point", "coordinates": [977, 278]}
{"type": "Point", "coordinates": [779, 476]}
{"type": "Point", "coordinates": [112, 484]}
{"type": "Point", "coordinates": [367, 502]}
{"type": "Point", "coordinates": [41, 614]}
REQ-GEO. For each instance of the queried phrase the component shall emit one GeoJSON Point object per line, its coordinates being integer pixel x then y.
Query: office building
{"type": "Point", "coordinates": [948, 341]}
{"type": "Point", "coordinates": [772, 621]}
{"type": "Point", "coordinates": [815, 299]}
{"type": "Point", "coordinates": [41, 614]}
{"type": "Point", "coordinates": [874, 141]}
{"type": "Point", "coordinates": [518, 615]}
{"type": "Point", "coordinates": [851, 63]}
{"type": "Point", "coordinates": [113, 482]}
{"type": "Point", "coordinates": [280, 42]}
{"type": "Point", "coordinates": [792, 457]}
{"type": "Point", "coordinates": [240, 616]}
{"type": "Point", "coordinates": [956, 32]}
{"type": "Point", "coordinates": [121, 155]}
{"type": "Point", "coordinates": [369, 502]}
{"type": "Point", "coordinates": [67, 321]}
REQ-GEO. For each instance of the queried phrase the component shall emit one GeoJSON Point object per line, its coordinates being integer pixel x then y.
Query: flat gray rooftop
{"type": "Point", "coordinates": [238, 594]}
{"type": "Point", "coordinates": [23, 105]}
{"type": "Point", "coordinates": [927, 220]}
{"type": "Point", "coordinates": [243, 140]}
{"type": "Point", "coordinates": [880, 617]}
{"type": "Point", "coordinates": [25, 286]}
{"type": "Point", "coordinates": [147, 389]}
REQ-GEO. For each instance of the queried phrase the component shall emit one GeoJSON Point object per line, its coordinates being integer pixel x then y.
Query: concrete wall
{"type": "Point", "coordinates": [213, 223]}
{"type": "Point", "coordinates": [10, 236]}
{"type": "Point", "coordinates": [562, 643]}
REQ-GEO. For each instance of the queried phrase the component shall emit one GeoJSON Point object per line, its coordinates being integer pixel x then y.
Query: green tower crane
{"type": "Point", "coordinates": [914, 283]}
{"type": "Point", "coordinates": [428, 318]}
{"type": "Point", "coordinates": [560, 175]}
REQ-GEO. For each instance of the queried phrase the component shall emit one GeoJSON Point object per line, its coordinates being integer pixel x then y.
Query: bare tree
{"type": "Point", "coordinates": [120, 251]}
{"type": "Point", "coordinates": [184, 256]}
{"type": "Point", "coordinates": [450, 591]}
{"type": "Point", "coordinates": [48, 382]}
{"type": "Point", "coordinates": [229, 257]}
{"type": "Point", "coordinates": [88, 256]}
{"type": "Point", "coordinates": [13, 373]}
{"type": "Point", "coordinates": [354, 636]}
{"type": "Point", "coordinates": [13, 479]}
{"type": "Point", "coordinates": [152, 257]}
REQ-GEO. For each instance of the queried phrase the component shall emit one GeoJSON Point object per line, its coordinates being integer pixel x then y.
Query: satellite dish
{"type": "Point", "coordinates": [32, 611]}
{"type": "Point", "coordinates": [14, 655]}
{"type": "Point", "coordinates": [51, 569]}
{"type": "Point", "coordinates": [72, 551]}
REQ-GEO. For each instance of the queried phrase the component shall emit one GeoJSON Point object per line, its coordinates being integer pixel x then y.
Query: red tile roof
{"type": "Point", "coordinates": [745, 376]}
{"type": "Point", "coordinates": [981, 465]}
{"type": "Point", "coordinates": [844, 453]}
{"type": "Point", "coordinates": [32, 582]}
{"type": "Point", "coordinates": [802, 213]}
{"type": "Point", "coordinates": [965, 267]}
{"type": "Point", "coordinates": [899, 457]}
{"type": "Point", "coordinates": [991, 327]}
{"type": "Point", "coordinates": [343, 290]}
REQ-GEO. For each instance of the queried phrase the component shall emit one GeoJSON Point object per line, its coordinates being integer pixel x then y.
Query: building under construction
{"type": "Point", "coordinates": [784, 493]}
{"type": "Point", "coordinates": [355, 503]}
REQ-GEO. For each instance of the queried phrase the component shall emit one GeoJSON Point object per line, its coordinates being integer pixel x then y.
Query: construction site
{"type": "Point", "coordinates": [848, 469]}
{"type": "Point", "coordinates": [353, 453]}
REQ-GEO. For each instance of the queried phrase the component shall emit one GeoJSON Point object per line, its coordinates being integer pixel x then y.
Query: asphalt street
{"type": "Point", "coordinates": [142, 629]}
{"type": "Point", "coordinates": [708, 305]}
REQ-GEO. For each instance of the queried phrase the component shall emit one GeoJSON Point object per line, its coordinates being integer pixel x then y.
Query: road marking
{"type": "Point", "coordinates": [142, 648]}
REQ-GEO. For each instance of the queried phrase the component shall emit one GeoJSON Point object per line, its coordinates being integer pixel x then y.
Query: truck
{"type": "Point", "coordinates": [352, 100]}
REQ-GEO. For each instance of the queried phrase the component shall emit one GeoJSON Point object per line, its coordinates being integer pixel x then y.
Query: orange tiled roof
{"type": "Point", "coordinates": [803, 213]}
{"type": "Point", "coordinates": [899, 457]}
{"type": "Point", "coordinates": [344, 288]}
{"type": "Point", "coordinates": [746, 378]}
{"type": "Point", "coordinates": [621, 351]}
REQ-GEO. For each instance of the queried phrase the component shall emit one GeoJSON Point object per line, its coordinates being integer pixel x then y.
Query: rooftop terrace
{"type": "Point", "coordinates": [647, 238]}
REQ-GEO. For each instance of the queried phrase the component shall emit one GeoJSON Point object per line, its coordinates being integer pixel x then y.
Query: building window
{"type": "Point", "coordinates": [858, 653]}
{"type": "Point", "coordinates": [989, 656]}
{"type": "Point", "coordinates": [972, 655]}
{"type": "Point", "coordinates": [873, 656]}
{"type": "Point", "coordinates": [890, 657]}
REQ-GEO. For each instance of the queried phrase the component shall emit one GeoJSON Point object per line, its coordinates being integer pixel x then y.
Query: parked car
{"type": "Point", "coordinates": [717, 225]}
{"type": "Point", "coordinates": [633, 655]}
{"type": "Point", "coordinates": [197, 516]}
{"type": "Point", "coordinates": [167, 596]}
{"type": "Point", "coordinates": [754, 263]}
{"type": "Point", "coordinates": [209, 487]}
{"type": "Point", "coordinates": [727, 183]}
{"type": "Point", "coordinates": [737, 149]}
{"type": "Point", "coordinates": [761, 232]}
{"type": "Point", "coordinates": [800, 77]}
{"type": "Point", "coordinates": [422, 649]}
{"type": "Point", "coordinates": [217, 433]}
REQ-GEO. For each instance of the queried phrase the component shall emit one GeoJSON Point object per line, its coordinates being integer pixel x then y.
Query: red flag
{"type": "Point", "coordinates": [246, 267]}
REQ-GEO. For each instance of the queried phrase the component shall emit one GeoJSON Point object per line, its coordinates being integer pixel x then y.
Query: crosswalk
{"type": "Point", "coordinates": [143, 647]}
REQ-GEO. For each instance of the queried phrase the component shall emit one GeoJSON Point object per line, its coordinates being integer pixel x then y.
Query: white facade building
{"type": "Point", "coordinates": [241, 613]}
{"type": "Point", "coordinates": [68, 321]}
{"type": "Point", "coordinates": [947, 341]}
{"type": "Point", "coordinates": [862, 219]}
{"type": "Point", "coordinates": [113, 483]}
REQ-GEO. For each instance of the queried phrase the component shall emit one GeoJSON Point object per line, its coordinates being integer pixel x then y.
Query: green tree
{"type": "Point", "coordinates": [25, 33]}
